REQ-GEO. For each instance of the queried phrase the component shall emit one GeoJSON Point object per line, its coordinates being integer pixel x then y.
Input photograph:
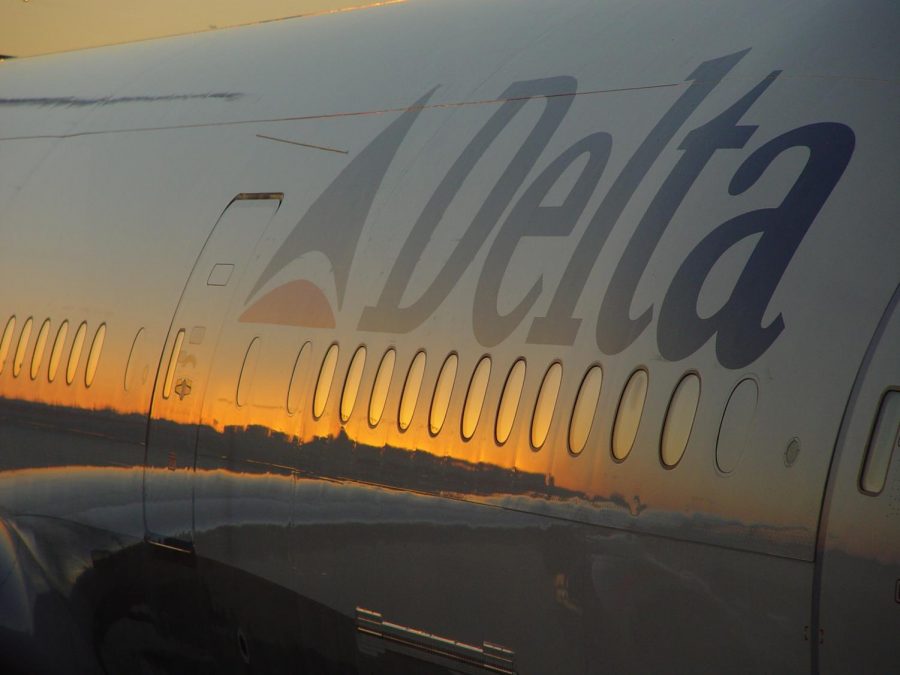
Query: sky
{"type": "Point", "coordinates": [32, 27]}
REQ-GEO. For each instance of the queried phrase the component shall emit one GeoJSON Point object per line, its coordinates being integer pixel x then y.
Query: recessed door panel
{"type": "Point", "coordinates": [185, 366]}
{"type": "Point", "coordinates": [859, 593]}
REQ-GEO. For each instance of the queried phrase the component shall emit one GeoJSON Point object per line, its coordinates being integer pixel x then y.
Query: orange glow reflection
{"type": "Point", "coordinates": [510, 475]}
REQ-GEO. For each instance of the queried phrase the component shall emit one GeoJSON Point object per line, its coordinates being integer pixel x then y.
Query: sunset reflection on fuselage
{"type": "Point", "coordinates": [420, 340]}
{"type": "Point", "coordinates": [587, 488]}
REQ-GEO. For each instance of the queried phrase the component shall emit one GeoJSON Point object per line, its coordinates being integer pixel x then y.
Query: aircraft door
{"type": "Point", "coordinates": [185, 367]}
{"type": "Point", "coordinates": [859, 587]}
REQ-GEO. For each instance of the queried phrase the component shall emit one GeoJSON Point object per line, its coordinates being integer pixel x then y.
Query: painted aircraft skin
{"type": "Point", "coordinates": [508, 337]}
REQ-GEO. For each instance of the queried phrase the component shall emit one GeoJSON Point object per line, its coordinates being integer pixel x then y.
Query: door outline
{"type": "Point", "coordinates": [150, 536]}
{"type": "Point", "coordinates": [816, 635]}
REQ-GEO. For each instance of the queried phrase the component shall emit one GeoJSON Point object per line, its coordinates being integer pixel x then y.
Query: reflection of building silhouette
{"type": "Point", "coordinates": [67, 437]}
{"type": "Point", "coordinates": [113, 438]}
{"type": "Point", "coordinates": [339, 457]}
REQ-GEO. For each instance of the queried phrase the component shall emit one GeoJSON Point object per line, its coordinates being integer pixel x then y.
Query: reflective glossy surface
{"type": "Point", "coordinates": [56, 351]}
{"type": "Point", "coordinates": [679, 420]}
{"type": "Point", "coordinates": [298, 378]}
{"type": "Point", "coordinates": [174, 356]}
{"type": "Point", "coordinates": [40, 344]}
{"type": "Point", "coordinates": [6, 341]}
{"type": "Point", "coordinates": [351, 384]}
{"type": "Point", "coordinates": [585, 407]}
{"type": "Point", "coordinates": [509, 401]}
{"type": "Point", "coordinates": [440, 402]}
{"type": "Point", "coordinates": [475, 397]}
{"type": "Point", "coordinates": [628, 414]}
{"type": "Point", "coordinates": [411, 388]}
{"type": "Point", "coordinates": [546, 405]}
{"type": "Point", "coordinates": [882, 445]}
{"type": "Point", "coordinates": [657, 190]}
{"type": "Point", "coordinates": [323, 382]}
{"type": "Point", "coordinates": [22, 347]}
{"type": "Point", "coordinates": [381, 386]}
{"type": "Point", "coordinates": [736, 423]}
{"type": "Point", "coordinates": [93, 360]}
{"type": "Point", "coordinates": [248, 372]}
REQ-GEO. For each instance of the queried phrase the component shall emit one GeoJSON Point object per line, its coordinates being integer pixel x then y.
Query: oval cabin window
{"type": "Point", "coordinates": [584, 410]}
{"type": "Point", "coordinates": [323, 384]}
{"type": "Point", "coordinates": [546, 405]}
{"type": "Point", "coordinates": [440, 403]}
{"type": "Point", "coordinates": [298, 377]}
{"type": "Point", "coordinates": [679, 420]}
{"type": "Point", "coordinates": [248, 370]}
{"type": "Point", "coordinates": [6, 341]}
{"type": "Point", "coordinates": [509, 401]}
{"type": "Point", "coordinates": [882, 443]}
{"type": "Point", "coordinates": [170, 368]}
{"type": "Point", "coordinates": [475, 397]}
{"type": "Point", "coordinates": [736, 425]}
{"type": "Point", "coordinates": [131, 367]}
{"type": "Point", "coordinates": [381, 386]}
{"type": "Point", "coordinates": [94, 355]}
{"type": "Point", "coordinates": [411, 391]}
{"type": "Point", "coordinates": [628, 416]}
{"type": "Point", "coordinates": [39, 346]}
{"type": "Point", "coordinates": [351, 384]}
{"type": "Point", "coordinates": [21, 347]}
{"type": "Point", "coordinates": [56, 352]}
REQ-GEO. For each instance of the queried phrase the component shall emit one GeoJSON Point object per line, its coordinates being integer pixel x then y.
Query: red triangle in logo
{"type": "Point", "coordinates": [296, 303]}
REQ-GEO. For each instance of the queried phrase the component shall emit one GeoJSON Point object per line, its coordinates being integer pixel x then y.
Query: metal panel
{"type": "Point", "coordinates": [859, 558]}
{"type": "Point", "coordinates": [181, 383]}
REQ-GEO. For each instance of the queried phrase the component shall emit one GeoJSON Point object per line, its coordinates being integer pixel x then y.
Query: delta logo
{"type": "Point", "coordinates": [737, 327]}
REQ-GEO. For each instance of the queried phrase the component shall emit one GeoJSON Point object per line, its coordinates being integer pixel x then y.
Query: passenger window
{"type": "Point", "coordinates": [323, 385]}
{"type": "Point", "coordinates": [584, 410]}
{"type": "Point", "coordinates": [381, 386]}
{"type": "Point", "coordinates": [509, 401]}
{"type": "Point", "coordinates": [351, 384]}
{"type": "Point", "coordinates": [628, 416]}
{"type": "Point", "coordinates": [546, 405]}
{"type": "Point", "coordinates": [6, 341]}
{"type": "Point", "coordinates": [170, 369]}
{"type": "Point", "coordinates": [94, 355]}
{"type": "Point", "coordinates": [56, 352]}
{"type": "Point", "coordinates": [295, 388]}
{"type": "Point", "coordinates": [248, 370]}
{"type": "Point", "coordinates": [885, 438]}
{"type": "Point", "coordinates": [19, 357]}
{"type": "Point", "coordinates": [39, 346]}
{"type": "Point", "coordinates": [440, 403]}
{"type": "Point", "coordinates": [736, 425]}
{"type": "Point", "coordinates": [131, 366]}
{"type": "Point", "coordinates": [679, 420]}
{"type": "Point", "coordinates": [411, 391]}
{"type": "Point", "coordinates": [475, 397]}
